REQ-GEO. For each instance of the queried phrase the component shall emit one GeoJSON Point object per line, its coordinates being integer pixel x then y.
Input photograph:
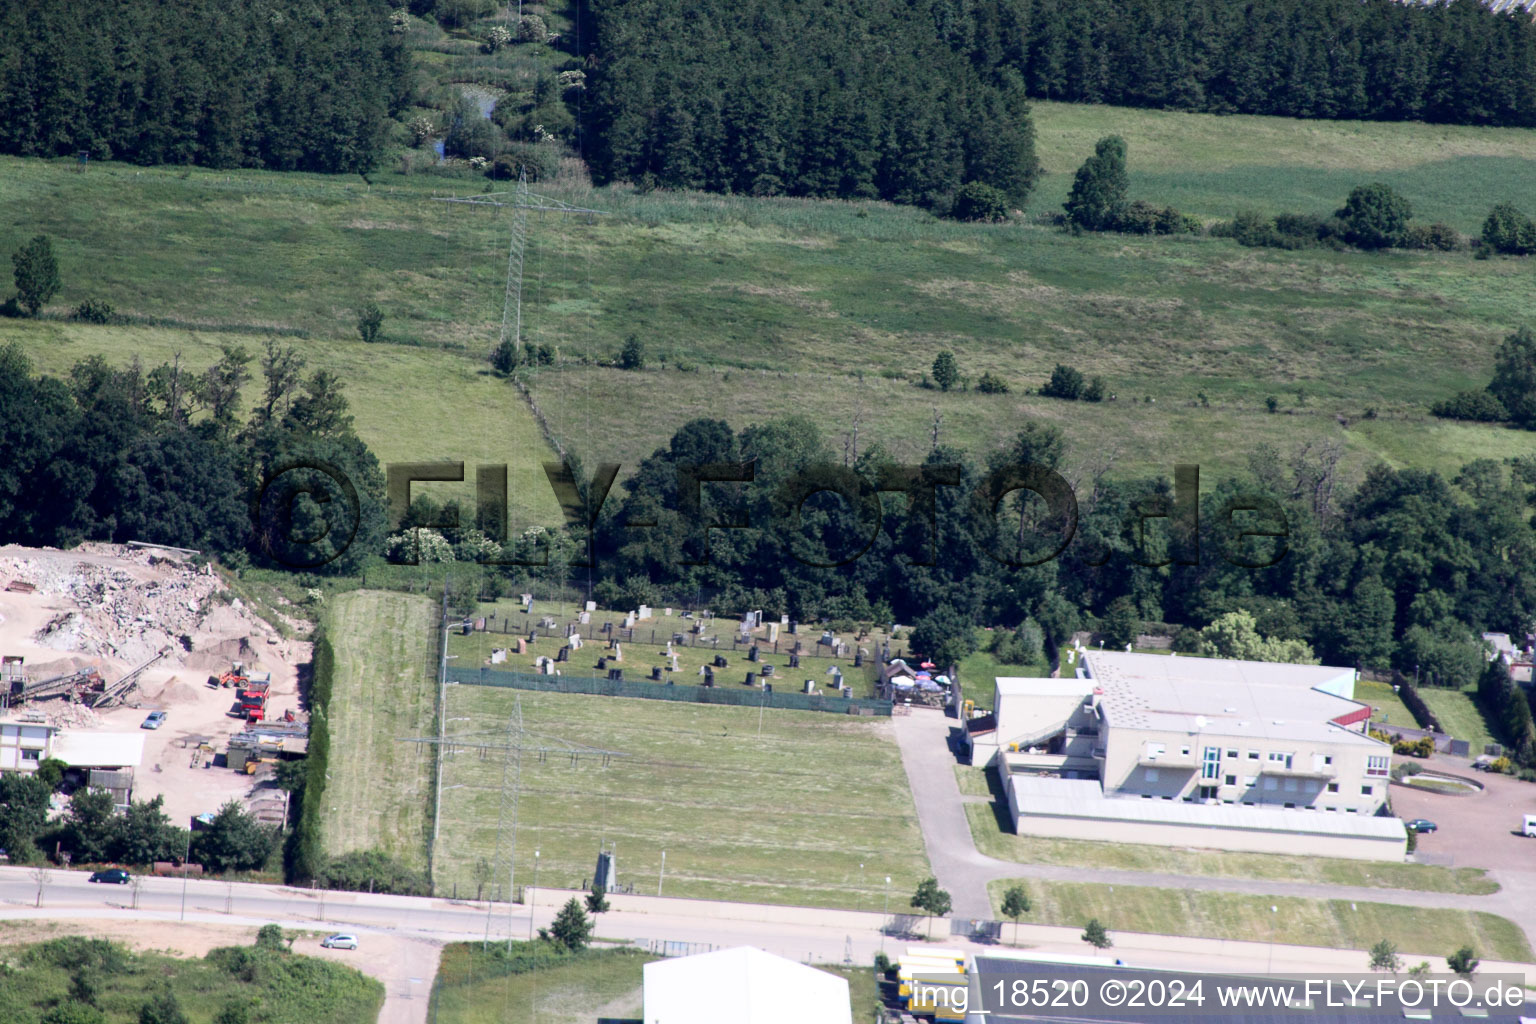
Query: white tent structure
{"type": "Point", "coordinates": [743, 985]}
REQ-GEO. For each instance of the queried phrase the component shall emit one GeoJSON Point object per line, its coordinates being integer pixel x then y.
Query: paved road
{"type": "Point", "coordinates": [924, 738]}
{"type": "Point", "coordinates": [401, 936]}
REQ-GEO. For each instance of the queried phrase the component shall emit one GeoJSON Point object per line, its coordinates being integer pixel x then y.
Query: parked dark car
{"type": "Point", "coordinates": [1422, 825]}
{"type": "Point", "coordinates": [116, 876]}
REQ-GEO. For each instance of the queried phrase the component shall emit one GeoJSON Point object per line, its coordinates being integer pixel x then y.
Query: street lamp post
{"type": "Point", "coordinates": [1273, 912]}
{"type": "Point", "coordinates": [661, 877]}
{"type": "Point", "coordinates": [530, 893]}
{"type": "Point", "coordinates": [886, 912]}
{"type": "Point", "coordinates": [184, 858]}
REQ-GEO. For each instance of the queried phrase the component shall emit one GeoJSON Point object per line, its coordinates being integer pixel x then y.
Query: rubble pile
{"type": "Point", "coordinates": [65, 715]}
{"type": "Point", "coordinates": [122, 615]}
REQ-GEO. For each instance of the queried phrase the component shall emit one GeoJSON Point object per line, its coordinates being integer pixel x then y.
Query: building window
{"type": "Point", "coordinates": [1290, 805]}
{"type": "Point", "coordinates": [1327, 759]}
{"type": "Point", "coordinates": [1270, 782]}
{"type": "Point", "coordinates": [1333, 787]}
{"type": "Point", "coordinates": [1290, 785]}
{"type": "Point", "coordinates": [1376, 764]}
{"type": "Point", "coordinates": [1184, 751]}
{"type": "Point", "coordinates": [1253, 755]}
{"type": "Point", "coordinates": [1330, 808]}
{"type": "Point", "coordinates": [1151, 774]}
{"type": "Point", "coordinates": [1232, 754]}
{"type": "Point", "coordinates": [1279, 758]}
{"type": "Point", "coordinates": [1155, 751]}
{"type": "Point", "coordinates": [1210, 767]}
{"type": "Point", "coordinates": [31, 755]}
{"type": "Point", "coordinates": [1231, 780]}
{"type": "Point", "coordinates": [1365, 791]}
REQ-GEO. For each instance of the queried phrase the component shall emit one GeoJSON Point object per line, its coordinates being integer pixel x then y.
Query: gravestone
{"type": "Point", "coordinates": [794, 661]}
{"type": "Point", "coordinates": [752, 654]}
{"type": "Point", "coordinates": [584, 618]}
{"type": "Point", "coordinates": [591, 606]}
{"type": "Point", "coordinates": [564, 654]}
{"type": "Point", "coordinates": [773, 632]}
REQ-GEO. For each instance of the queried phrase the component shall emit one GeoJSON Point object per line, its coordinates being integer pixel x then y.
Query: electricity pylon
{"type": "Point", "coordinates": [521, 201]}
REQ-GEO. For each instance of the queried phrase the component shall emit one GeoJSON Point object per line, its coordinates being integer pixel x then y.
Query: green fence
{"type": "Point", "coordinates": [741, 696]}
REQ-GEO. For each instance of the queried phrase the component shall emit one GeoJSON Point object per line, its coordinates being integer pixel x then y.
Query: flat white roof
{"type": "Point", "coordinates": [99, 749]}
{"type": "Point", "coordinates": [743, 985]}
{"type": "Point", "coordinates": [1240, 699]}
{"type": "Point", "coordinates": [1068, 686]}
{"type": "Point", "coordinates": [1039, 797]}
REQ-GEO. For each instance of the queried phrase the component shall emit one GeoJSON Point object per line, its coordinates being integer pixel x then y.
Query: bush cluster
{"type": "Point", "coordinates": [1069, 383]}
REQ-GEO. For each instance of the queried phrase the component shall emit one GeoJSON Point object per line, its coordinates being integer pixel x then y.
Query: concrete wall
{"type": "Point", "coordinates": [1203, 837]}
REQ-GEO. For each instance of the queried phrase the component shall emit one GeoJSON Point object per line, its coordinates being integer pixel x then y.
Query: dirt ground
{"type": "Point", "coordinates": [111, 608]}
{"type": "Point", "coordinates": [1477, 830]}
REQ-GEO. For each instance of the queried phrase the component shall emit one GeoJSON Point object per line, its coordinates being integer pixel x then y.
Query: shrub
{"type": "Point", "coordinates": [1508, 230]}
{"type": "Point", "coordinates": [946, 372]}
{"type": "Point", "coordinates": [1094, 392]}
{"type": "Point", "coordinates": [1375, 216]}
{"type": "Point", "coordinates": [1299, 230]}
{"type": "Point", "coordinates": [1479, 406]}
{"type": "Point", "coordinates": [496, 38]}
{"type": "Point", "coordinates": [1249, 228]}
{"type": "Point", "coordinates": [1272, 403]}
{"type": "Point", "coordinates": [504, 358]}
{"type": "Point", "coordinates": [538, 162]}
{"type": "Point", "coordinates": [36, 272]}
{"type": "Point", "coordinates": [1097, 201]}
{"type": "Point", "coordinates": [1142, 218]}
{"type": "Point", "coordinates": [632, 357]}
{"type": "Point", "coordinates": [372, 871]}
{"type": "Point", "coordinates": [978, 201]}
{"type": "Point", "coordinates": [370, 320]}
{"type": "Point", "coordinates": [992, 385]}
{"type": "Point", "coordinates": [531, 29]}
{"type": "Point", "coordinates": [1065, 382]}
{"type": "Point", "coordinates": [1437, 237]}
{"type": "Point", "coordinates": [93, 311]}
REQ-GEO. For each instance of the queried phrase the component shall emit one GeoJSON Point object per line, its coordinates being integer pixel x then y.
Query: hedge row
{"type": "Point", "coordinates": [1410, 696]}
{"type": "Point", "coordinates": [307, 858]}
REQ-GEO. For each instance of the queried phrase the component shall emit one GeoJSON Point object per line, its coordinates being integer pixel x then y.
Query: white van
{"type": "Point", "coordinates": [1530, 825]}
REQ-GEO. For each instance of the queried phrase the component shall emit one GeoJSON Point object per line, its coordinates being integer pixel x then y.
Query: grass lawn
{"type": "Point", "coordinates": [979, 672]}
{"type": "Point", "coordinates": [1211, 165]}
{"type": "Point", "coordinates": [752, 308]}
{"type": "Point", "coordinates": [1386, 705]}
{"type": "Point", "coordinates": [1299, 922]}
{"type": "Point", "coordinates": [993, 841]}
{"type": "Point", "coordinates": [786, 817]}
{"type": "Point", "coordinates": [384, 690]}
{"type": "Point", "coordinates": [1459, 715]}
{"type": "Point", "coordinates": [863, 991]}
{"type": "Point", "coordinates": [285, 986]}
{"type": "Point", "coordinates": [474, 988]}
{"type": "Point", "coordinates": [648, 649]}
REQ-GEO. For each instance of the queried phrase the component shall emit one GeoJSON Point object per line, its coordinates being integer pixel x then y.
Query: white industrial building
{"type": "Point", "coordinates": [1200, 752]}
{"type": "Point", "coordinates": [743, 985]}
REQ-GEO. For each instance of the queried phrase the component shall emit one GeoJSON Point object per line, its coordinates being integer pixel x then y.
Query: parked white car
{"type": "Point", "coordinates": [340, 942]}
{"type": "Point", "coordinates": [1530, 825]}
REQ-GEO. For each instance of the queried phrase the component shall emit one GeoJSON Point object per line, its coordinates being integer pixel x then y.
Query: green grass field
{"type": "Point", "coordinates": [1459, 715]}
{"type": "Point", "coordinates": [1388, 706]}
{"type": "Point", "coordinates": [752, 308]}
{"type": "Point", "coordinates": [383, 691]}
{"type": "Point", "coordinates": [1211, 165]}
{"type": "Point", "coordinates": [993, 841]}
{"type": "Point", "coordinates": [1300, 922]}
{"type": "Point", "coordinates": [474, 988]}
{"type": "Point", "coordinates": [786, 816]}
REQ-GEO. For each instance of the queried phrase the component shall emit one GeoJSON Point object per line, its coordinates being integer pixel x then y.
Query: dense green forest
{"type": "Point", "coordinates": [1454, 62]}
{"type": "Point", "coordinates": [906, 99]}
{"type": "Point", "coordinates": [115, 454]}
{"type": "Point", "coordinates": [278, 84]}
{"type": "Point", "coordinates": [808, 99]}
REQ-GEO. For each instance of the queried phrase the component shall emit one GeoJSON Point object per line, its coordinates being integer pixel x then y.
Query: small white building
{"type": "Point", "coordinates": [23, 744]}
{"type": "Point", "coordinates": [743, 985]}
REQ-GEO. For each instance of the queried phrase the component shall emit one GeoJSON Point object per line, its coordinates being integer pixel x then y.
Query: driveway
{"type": "Point", "coordinates": [1476, 829]}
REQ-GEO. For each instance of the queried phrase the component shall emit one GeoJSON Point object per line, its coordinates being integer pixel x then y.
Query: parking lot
{"type": "Point", "coordinates": [1478, 829]}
